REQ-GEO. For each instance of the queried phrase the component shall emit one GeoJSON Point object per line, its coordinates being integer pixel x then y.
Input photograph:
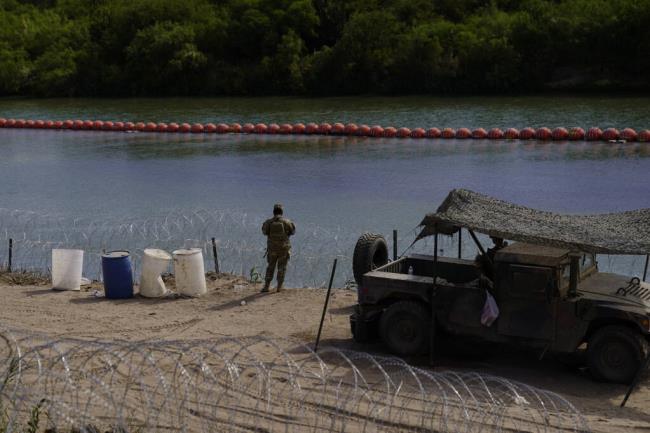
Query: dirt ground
{"type": "Point", "coordinates": [235, 307]}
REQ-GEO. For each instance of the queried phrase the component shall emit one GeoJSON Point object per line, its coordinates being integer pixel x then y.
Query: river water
{"type": "Point", "coordinates": [334, 188]}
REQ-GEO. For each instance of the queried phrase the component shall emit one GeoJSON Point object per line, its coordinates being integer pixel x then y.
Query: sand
{"type": "Point", "coordinates": [31, 305]}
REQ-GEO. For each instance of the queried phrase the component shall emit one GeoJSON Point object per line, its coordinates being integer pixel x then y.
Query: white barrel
{"type": "Point", "coordinates": [67, 266]}
{"type": "Point", "coordinates": [189, 272]}
{"type": "Point", "coordinates": [154, 263]}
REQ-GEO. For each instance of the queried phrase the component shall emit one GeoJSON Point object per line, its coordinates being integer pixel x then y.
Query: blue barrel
{"type": "Point", "coordinates": [118, 275]}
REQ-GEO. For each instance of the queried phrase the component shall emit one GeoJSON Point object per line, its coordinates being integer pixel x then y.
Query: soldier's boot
{"type": "Point", "coordinates": [267, 284]}
{"type": "Point", "coordinates": [280, 284]}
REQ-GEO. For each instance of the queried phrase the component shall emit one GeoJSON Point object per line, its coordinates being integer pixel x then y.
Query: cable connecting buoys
{"type": "Point", "coordinates": [350, 129]}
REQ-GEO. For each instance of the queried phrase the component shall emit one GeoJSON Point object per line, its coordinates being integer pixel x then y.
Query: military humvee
{"type": "Point", "coordinates": [547, 286]}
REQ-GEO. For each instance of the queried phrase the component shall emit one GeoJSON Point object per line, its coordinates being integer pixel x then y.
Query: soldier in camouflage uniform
{"type": "Point", "coordinates": [278, 247]}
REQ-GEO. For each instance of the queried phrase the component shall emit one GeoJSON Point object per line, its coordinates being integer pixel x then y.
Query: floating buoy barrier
{"type": "Point", "coordinates": [350, 129]}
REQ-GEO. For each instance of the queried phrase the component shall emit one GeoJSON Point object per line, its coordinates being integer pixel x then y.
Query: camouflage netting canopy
{"type": "Point", "coordinates": [615, 233]}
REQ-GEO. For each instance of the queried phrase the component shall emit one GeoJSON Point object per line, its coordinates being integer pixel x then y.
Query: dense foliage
{"type": "Point", "coordinates": [212, 47]}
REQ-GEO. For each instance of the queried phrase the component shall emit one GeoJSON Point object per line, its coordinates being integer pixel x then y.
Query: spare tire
{"type": "Point", "coordinates": [370, 252]}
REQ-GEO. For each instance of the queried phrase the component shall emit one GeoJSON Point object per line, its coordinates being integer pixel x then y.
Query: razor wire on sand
{"type": "Point", "coordinates": [254, 384]}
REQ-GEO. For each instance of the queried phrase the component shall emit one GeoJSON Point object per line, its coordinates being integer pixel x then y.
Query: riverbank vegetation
{"type": "Point", "coordinates": [321, 47]}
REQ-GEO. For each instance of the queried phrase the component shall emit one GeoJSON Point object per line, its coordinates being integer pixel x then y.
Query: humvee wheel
{"type": "Point", "coordinates": [615, 353]}
{"type": "Point", "coordinates": [404, 328]}
{"type": "Point", "coordinates": [370, 252]}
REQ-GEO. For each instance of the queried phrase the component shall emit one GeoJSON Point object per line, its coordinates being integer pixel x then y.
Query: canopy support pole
{"type": "Point", "coordinates": [460, 242]}
{"type": "Point", "coordinates": [645, 270]}
{"type": "Point", "coordinates": [432, 328]}
{"type": "Point", "coordinates": [476, 241]}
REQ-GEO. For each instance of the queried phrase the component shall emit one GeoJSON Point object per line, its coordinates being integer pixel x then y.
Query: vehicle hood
{"type": "Point", "coordinates": [616, 289]}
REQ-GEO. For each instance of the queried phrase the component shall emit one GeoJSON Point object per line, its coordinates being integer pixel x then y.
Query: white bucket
{"type": "Point", "coordinates": [67, 266]}
{"type": "Point", "coordinates": [189, 272]}
{"type": "Point", "coordinates": [154, 263]}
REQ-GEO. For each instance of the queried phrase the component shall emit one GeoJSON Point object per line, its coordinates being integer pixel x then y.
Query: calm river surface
{"type": "Point", "coordinates": [335, 188]}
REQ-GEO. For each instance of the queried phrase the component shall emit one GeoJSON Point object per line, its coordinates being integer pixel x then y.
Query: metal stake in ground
{"type": "Point", "coordinates": [327, 299]}
{"type": "Point", "coordinates": [11, 253]}
{"type": "Point", "coordinates": [215, 256]}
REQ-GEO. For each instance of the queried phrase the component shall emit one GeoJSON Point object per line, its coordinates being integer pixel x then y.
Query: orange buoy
{"type": "Point", "coordinates": [210, 128]}
{"type": "Point", "coordinates": [463, 133]}
{"type": "Point", "coordinates": [576, 133]}
{"type": "Point", "coordinates": [260, 128]}
{"type": "Point", "coordinates": [129, 126]}
{"type": "Point", "coordinates": [527, 133]}
{"type": "Point", "coordinates": [286, 128]}
{"type": "Point", "coordinates": [273, 128]}
{"type": "Point", "coordinates": [511, 133]}
{"type": "Point", "coordinates": [11, 123]}
{"type": "Point", "coordinates": [140, 126]}
{"type": "Point", "coordinates": [197, 128]}
{"type": "Point", "coordinates": [560, 134]}
{"type": "Point", "coordinates": [161, 127]}
{"type": "Point", "coordinates": [77, 124]}
{"type": "Point", "coordinates": [311, 128]}
{"type": "Point", "coordinates": [338, 128]}
{"type": "Point", "coordinates": [98, 125]}
{"type": "Point", "coordinates": [325, 128]}
{"type": "Point", "coordinates": [20, 123]}
{"type": "Point", "coordinates": [39, 124]}
{"type": "Point", "coordinates": [433, 133]}
{"type": "Point", "coordinates": [377, 131]}
{"type": "Point", "coordinates": [403, 132]}
{"type": "Point", "coordinates": [364, 131]}
{"type": "Point", "coordinates": [108, 125]}
{"type": "Point", "coordinates": [479, 133]}
{"type": "Point", "coordinates": [184, 128]}
{"type": "Point", "coordinates": [594, 134]}
{"type": "Point", "coordinates": [629, 134]}
{"type": "Point", "coordinates": [543, 133]}
{"type": "Point", "coordinates": [298, 128]}
{"type": "Point", "coordinates": [350, 129]}
{"type": "Point", "coordinates": [29, 124]}
{"type": "Point", "coordinates": [495, 134]}
{"type": "Point", "coordinates": [389, 131]}
{"type": "Point", "coordinates": [58, 124]}
{"type": "Point", "coordinates": [68, 124]}
{"type": "Point", "coordinates": [236, 128]}
{"type": "Point", "coordinates": [248, 128]}
{"type": "Point", "coordinates": [418, 133]}
{"type": "Point", "coordinates": [88, 124]}
{"type": "Point", "coordinates": [118, 126]}
{"type": "Point", "coordinates": [48, 124]}
{"type": "Point", "coordinates": [173, 127]}
{"type": "Point", "coordinates": [644, 135]}
{"type": "Point", "coordinates": [223, 128]}
{"type": "Point", "coordinates": [3, 122]}
{"type": "Point", "coordinates": [150, 127]}
{"type": "Point", "coordinates": [448, 133]}
{"type": "Point", "coordinates": [611, 134]}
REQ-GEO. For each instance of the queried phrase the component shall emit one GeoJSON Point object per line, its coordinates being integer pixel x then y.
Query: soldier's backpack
{"type": "Point", "coordinates": [277, 232]}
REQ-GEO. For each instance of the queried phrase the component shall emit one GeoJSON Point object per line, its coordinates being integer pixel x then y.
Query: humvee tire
{"type": "Point", "coordinates": [370, 252]}
{"type": "Point", "coordinates": [404, 328]}
{"type": "Point", "coordinates": [615, 353]}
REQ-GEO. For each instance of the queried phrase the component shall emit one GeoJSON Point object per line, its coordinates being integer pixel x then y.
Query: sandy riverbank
{"type": "Point", "coordinates": [292, 313]}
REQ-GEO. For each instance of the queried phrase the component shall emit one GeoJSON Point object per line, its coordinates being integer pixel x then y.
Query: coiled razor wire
{"type": "Point", "coordinates": [240, 243]}
{"type": "Point", "coordinates": [254, 384]}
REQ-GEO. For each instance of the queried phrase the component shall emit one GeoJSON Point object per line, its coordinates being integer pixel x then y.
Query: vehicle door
{"type": "Point", "coordinates": [527, 302]}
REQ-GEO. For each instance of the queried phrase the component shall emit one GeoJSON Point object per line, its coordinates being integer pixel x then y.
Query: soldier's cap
{"type": "Point", "coordinates": [277, 209]}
